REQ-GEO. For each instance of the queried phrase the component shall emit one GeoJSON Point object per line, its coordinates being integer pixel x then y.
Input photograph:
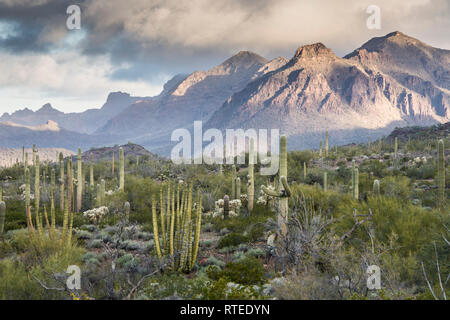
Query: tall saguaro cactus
{"type": "Point", "coordinates": [69, 184]}
{"type": "Point", "coordinates": [79, 180]}
{"type": "Point", "coordinates": [37, 189]}
{"type": "Point", "coordinates": [396, 152]}
{"type": "Point", "coordinates": [61, 182]}
{"type": "Point", "coordinates": [122, 170]}
{"type": "Point", "coordinates": [441, 175]}
{"type": "Point", "coordinates": [356, 184]}
{"type": "Point", "coordinates": [304, 170]}
{"type": "Point", "coordinates": [325, 181]}
{"type": "Point", "coordinates": [2, 216]}
{"type": "Point", "coordinates": [91, 171]}
{"type": "Point", "coordinates": [326, 145]}
{"type": "Point", "coordinates": [113, 163]}
{"type": "Point", "coordinates": [284, 191]}
{"type": "Point", "coordinates": [251, 178]}
{"type": "Point", "coordinates": [27, 187]}
{"type": "Point", "coordinates": [233, 182]}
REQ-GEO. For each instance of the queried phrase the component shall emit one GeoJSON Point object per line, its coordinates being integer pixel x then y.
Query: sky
{"type": "Point", "coordinates": [135, 46]}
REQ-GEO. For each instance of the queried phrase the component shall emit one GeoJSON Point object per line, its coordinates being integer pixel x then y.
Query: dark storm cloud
{"type": "Point", "coordinates": [179, 36]}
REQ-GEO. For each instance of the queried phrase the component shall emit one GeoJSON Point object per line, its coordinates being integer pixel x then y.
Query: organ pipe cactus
{"type": "Point", "coordinates": [79, 180]}
{"type": "Point", "coordinates": [183, 232]}
{"type": "Point", "coordinates": [2, 216]}
{"type": "Point", "coordinates": [441, 175]}
{"type": "Point", "coordinates": [283, 191]}
{"type": "Point", "coordinates": [251, 178]}
{"type": "Point", "coordinates": [122, 169]}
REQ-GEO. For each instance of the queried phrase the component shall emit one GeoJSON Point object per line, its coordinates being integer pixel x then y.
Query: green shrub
{"type": "Point", "coordinates": [232, 239]}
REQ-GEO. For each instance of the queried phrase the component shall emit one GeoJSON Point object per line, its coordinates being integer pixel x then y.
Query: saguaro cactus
{"type": "Point", "coordinates": [2, 216]}
{"type": "Point", "coordinates": [113, 162]}
{"type": "Point", "coordinates": [238, 188]}
{"type": "Point", "coordinates": [34, 154]}
{"type": "Point", "coordinates": [304, 170]}
{"type": "Point", "coordinates": [320, 150]}
{"type": "Point", "coordinates": [122, 169]}
{"type": "Point", "coordinates": [37, 189]}
{"type": "Point", "coordinates": [441, 175]}
{"type": "Point", "coordinates": [69, 184]}
{"type": "Point", "coordinates": [396, 152]}
{"type": "Point", "coordinates": [326, 145]}
{"type": "Point", "coordinates": [91, 171]}
{"type": "Point", "coordinates": [325, 181]}
{"type": "Point", "coordinates": [284, 191]}
{"type": "Point", "coordinates": [102, 191]}
{"type": "Point", "coordinates": [79, 180]}
{"type": "Point", "coordinates": [251, 178]}
{"type": "Point", "coordinates": [61, 182]}
{"type": "Point", "coordinates": [356, 184]}
{"type": "Point", "coordinates": [126, 208]}
{"type": "Point", "coordinates": [233, 182]}
{"type": "Point", "coordinates": [27, 187]}
{"type": "Point", "coordinates": [226, 206]}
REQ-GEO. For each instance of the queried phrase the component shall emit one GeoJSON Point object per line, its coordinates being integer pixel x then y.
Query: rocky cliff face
{"type": "Point", "coordinates": [188, 98]}
{"type": "Point", "coordinates": [365, 93]}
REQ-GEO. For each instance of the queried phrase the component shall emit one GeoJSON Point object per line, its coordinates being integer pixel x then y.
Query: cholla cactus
{"type": "Point", "coordinates": [376, 187]}
{"type": "Point", "coordinates": [96, 215]}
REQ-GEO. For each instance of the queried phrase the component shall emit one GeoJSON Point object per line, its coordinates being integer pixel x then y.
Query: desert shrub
{"type": "Point", "coordinates": [232, 239]}
{"type": "Point", "coordinates": [247, 271]}
{"type": "Point", "coordinates": [222, 289]}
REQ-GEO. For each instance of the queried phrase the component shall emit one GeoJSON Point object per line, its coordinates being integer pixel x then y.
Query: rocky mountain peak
{"type": "Point", "coordinates": [244, 59]}
{"type": "Point", "coordinates": [312, 51]}
{"type": "Point", "coordinates": [47, 108]}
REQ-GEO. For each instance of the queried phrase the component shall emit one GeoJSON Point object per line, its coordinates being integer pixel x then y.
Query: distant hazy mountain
{"type": "Point", "coordinates": [50, 135]}
{"type": "Point", "coordinates": [83, 122]}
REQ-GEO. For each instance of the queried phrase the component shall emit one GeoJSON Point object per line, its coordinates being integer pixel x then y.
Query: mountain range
{"type": "Point", "coordinates": [390, 81]}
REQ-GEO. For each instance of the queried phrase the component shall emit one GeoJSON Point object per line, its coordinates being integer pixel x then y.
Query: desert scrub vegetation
{"type": "Point", "coordinates": [144, 228]}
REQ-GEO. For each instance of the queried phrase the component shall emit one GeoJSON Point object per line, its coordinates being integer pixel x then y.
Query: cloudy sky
{"type": "Point", "coordinates": [136, 45]}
